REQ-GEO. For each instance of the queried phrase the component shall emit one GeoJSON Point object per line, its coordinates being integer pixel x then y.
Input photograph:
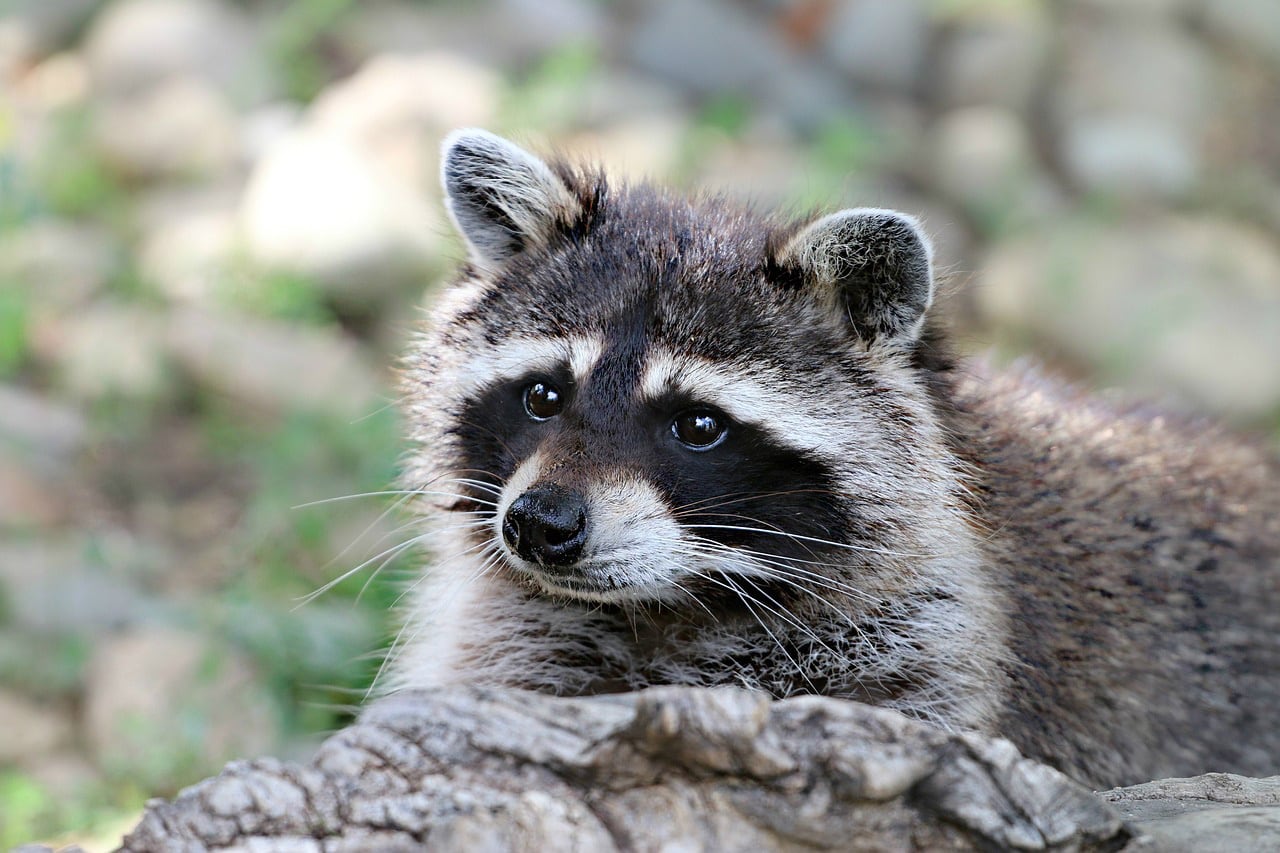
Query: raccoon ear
{"type": "Point", "coordinates": [501, 197]}
{"type": "Point", "coordinates": [878, 263]}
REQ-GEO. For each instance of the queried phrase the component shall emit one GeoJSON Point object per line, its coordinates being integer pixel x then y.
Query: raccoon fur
{"type": "Point", "coordinates": [661, 440]}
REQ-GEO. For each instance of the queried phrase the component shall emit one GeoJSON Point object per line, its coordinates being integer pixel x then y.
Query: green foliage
{"type": "Point", "coordinates": [40, 665]}
{"type": "Point", "coordinates": [72, 179]}
{"type": "Point", "coordinates": [283, 295]}
{"type": "Point", "coordinates": [15, 316]}
{"type": "Point", "coordinates": [549, 96]}
{"type": "Point", "coordinates": [295, 41]}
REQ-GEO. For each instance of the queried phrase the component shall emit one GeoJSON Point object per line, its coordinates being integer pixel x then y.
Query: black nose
{"type": "Point", "coordinates": [547, 525]}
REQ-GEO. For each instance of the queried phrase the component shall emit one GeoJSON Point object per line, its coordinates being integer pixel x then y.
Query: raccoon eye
{"type": "Point", "coordinates": [699, 429]}
{"type": "Point", "coordinates": [542, 401]}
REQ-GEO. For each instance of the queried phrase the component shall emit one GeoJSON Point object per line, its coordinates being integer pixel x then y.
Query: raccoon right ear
{"type": "Point", "coordinates": [502, 198]}
{"type": "Point", "coordinates": [878, 264]}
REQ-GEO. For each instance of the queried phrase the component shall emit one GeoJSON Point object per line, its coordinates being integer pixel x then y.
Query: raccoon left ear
{"type": "Point", "coordinates": [878, 263]}
{"type": "Point", "coordinates": [502, 198]}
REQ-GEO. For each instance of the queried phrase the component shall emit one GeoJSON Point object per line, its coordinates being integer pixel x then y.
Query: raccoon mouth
{"type": "Point", "coordinates": [581, 583]}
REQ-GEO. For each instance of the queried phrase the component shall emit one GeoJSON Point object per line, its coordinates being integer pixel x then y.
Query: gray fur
{"type": "Point", "coordinates": [1015, 557]}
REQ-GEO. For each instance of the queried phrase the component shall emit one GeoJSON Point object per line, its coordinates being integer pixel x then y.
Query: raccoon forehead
{"type": "Point", "coordinates": [515, 357]}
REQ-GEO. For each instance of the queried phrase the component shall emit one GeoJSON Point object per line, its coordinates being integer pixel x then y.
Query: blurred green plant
{"type": "Point", "coordinates": [71, 177]}
{"type": "Point", "coordinates": [15, 318]}
{"type": "Point", "coordinates": [279, 294]}
{"type": "Point", "coordinates": [296, 43]}
{"type": "Point", "coordinates": [549, 96]}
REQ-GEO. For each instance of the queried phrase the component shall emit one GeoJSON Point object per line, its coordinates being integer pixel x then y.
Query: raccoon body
{"type": "Point", "coordinates": [662, 440]}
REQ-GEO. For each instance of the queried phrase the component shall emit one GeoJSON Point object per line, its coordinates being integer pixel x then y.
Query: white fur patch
{"type": "Point", "coordinates": [516, 357]}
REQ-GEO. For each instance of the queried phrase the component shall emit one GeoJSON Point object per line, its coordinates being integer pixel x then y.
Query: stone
{"type": "Point", "coordinates": [397, 108]}
{"type": "Point", "coordinates": [112, 351]}
{"type": "Point", "coordinates": [1216, 811]}
{"type": "Point", "coordinates": [1130, 156]}
{"type": "Point", "coordinates": [983, 160]}
{"type": "Point", "coordinates": [54, 587]}
{"type": "Point", "coordinates": [50, 23]}
{"type": "Point", "coordinates": [879, 43]}
{"type": "Point", "coordinates": [708, 48]}
{"type": "Point", "coordinates": [158, 698]}
{"type": "Point", "coordinates": [189, 258]}
{"type": "Point", "coordinates": [275, 366]}
{"type": "Point", "coordinates": [29, 498]}
{"type": "Point", "coordinates": [996, 55]}
{"type": "Point", "coordinates": [29, 729]}
{"type": "Point", "coordinates": [1251, 24]}
{"type": "Point", "coordinates": [61, 264]}
{"type": "Point", "coordinates": [1188, 306]}
{"type": "Point", "coordinates": [181, 128]}
{"type": "Point", "coordinates": [39, 427]}
{"type": "Point", "coordinates": [136, 44]}
{"type": "Point", "coordinates": [320, 206]}
{"type": "Point", "coordinates": [1132, 108]}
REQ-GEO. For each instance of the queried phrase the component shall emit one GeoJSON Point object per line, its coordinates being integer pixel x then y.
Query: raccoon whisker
{"type": "Point", "coordinates": [860, 548]}
{"type": "Point", "coordinates": [770, 571]}
{"type": "Point", "coordinates": [742, 497]}
{"type": "Point", "coordinates": [772, 527]}
{"type": "Point", "coordinates": [747, 601]}
{"type": "Point", "coordinates": [388, 553]}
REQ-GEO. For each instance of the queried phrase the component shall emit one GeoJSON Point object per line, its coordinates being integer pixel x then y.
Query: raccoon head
{"type": "Point", "coordinates": [629, 396]}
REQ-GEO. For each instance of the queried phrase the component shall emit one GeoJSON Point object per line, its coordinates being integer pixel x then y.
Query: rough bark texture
{"type": "Point", "coordinates": [672, 768]}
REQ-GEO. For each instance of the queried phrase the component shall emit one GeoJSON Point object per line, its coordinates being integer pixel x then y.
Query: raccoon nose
{"type": "Point", "coordinates": [547, 525]}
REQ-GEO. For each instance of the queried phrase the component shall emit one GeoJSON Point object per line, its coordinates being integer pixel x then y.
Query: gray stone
{"type": "Point", "coordinates": [50, 23]}
{"type": "Point", "coordinates": [320, 206]}
{"type": "Point", "coordinates": [995, 55]}
{"type": "Point", "coordinates": [879, 43]}
{"type": "Point", "coordinates": [54, 588]}
{"type": "Point", "coordinates": [112, 351]}
{"type": "Point", "coordinates": [275, 366]}
{"type": "Point", "coordinates": [983, 160]}
{"type": "Point", "coordinates": [1129, 88]}
{"type": "Point", "coordinates": [1130, 156]}
{"type": "Point", "coordinates": [396, 109]}
{"type": "Point", "coordinates": [39, 427]}
{"type": "Point", "coordinates": [159, 698]}
{"type": "Point", "coordinates": [707, 47]}
{"type": "Point", "coordinates": [1251, 24]}
{"type": "Point", "coordinates": [29, 730]}
{"type": "Point", "coordinates": [1188, 306]}
{"type": "Point", "coordinates": [190, 258]}
{"type": "Point", "coordinates": [61, 264]}
{"type": "Point", "coordinates": [179, 128]}
{"type": "Point", "coordinates": [135, 44]}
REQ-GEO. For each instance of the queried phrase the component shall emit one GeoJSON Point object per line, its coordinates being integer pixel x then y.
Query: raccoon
{"type": "Point", "coordinates": [663, 440]}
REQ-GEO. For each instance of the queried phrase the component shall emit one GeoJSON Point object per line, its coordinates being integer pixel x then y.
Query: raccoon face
{"type": "Point", "coordinates": [640, 398]}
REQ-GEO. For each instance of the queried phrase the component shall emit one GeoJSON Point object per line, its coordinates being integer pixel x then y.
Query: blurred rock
{"type": "Point", "coordinates": [1188, 305]}
{"type": "Point", "coordinates": [189, 257]}
{"type": "Point", "coordinates": [275, 366]}
{"type": "Point", "coordinates": [1251, 24]}
{"type": "Point", "coordinates": [135, 44]}
{"type": "Point", "coordinates": [611, 98]}
{"type": "Point", "coordinates": [29, 730]}
{"type": "Point", "coordinates": [1130, 156]}
{"type": "Point", "coordinates": [112, 351]}
{"type": "Point", "coordinates": [983, 160]}
{"type": "Point", "coordinates": [319, 206]}
{"type": "Point", "coordinates": [28, 499]}
{"type": "Point", "coordinates": [644, 147]}
{"type": "Point", "coordinates": [879, 43]}
{"type": "Point", "coordinates": [59, 82]}
{"type": "Point", "coordinates": [39, 427]}
{"type": "Point", "coordinates": [49, 23]}
{"type": "Point", "coordinates": [511, 34]}
{"type": "Point", "coordinates": [995, 55]}
{"type": "Point", "coordinates": [54, 588]}
{"type": "Point", "coordinates": [60, 263]}
{"type": "Point", "coordinates": [397, 108]}
{"type": "Point", "coordinates": [1131, 108]}
{"type": "Point", "coordinates": [262, 127]}
{"type": "Point", "coordinates": [158, 698]}
{"type": "Point", "coordinates": [181, 128]}
{"type": "Point", "coordinates": [708, 48]}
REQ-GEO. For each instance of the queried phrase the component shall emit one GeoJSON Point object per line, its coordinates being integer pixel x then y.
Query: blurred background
{"type": "Point", "coordinates": [219, 220]}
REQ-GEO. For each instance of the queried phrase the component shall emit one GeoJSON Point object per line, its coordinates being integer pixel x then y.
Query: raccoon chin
{"type": "Point", "coordinates": [600, 581]}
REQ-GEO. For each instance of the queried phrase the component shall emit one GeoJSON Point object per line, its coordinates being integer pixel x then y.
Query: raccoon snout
{"type": "Point", "coordinates": [547, 525]}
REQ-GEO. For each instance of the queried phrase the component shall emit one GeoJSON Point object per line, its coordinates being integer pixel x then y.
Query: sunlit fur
{"type": "Point", "coordinates": [879, 524]}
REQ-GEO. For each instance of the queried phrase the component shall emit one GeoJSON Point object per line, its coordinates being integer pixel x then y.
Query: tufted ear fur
{"type": "Point", "coordinates": [501, 197]}
{"type": "Point", "coordinates": [877, 263]}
